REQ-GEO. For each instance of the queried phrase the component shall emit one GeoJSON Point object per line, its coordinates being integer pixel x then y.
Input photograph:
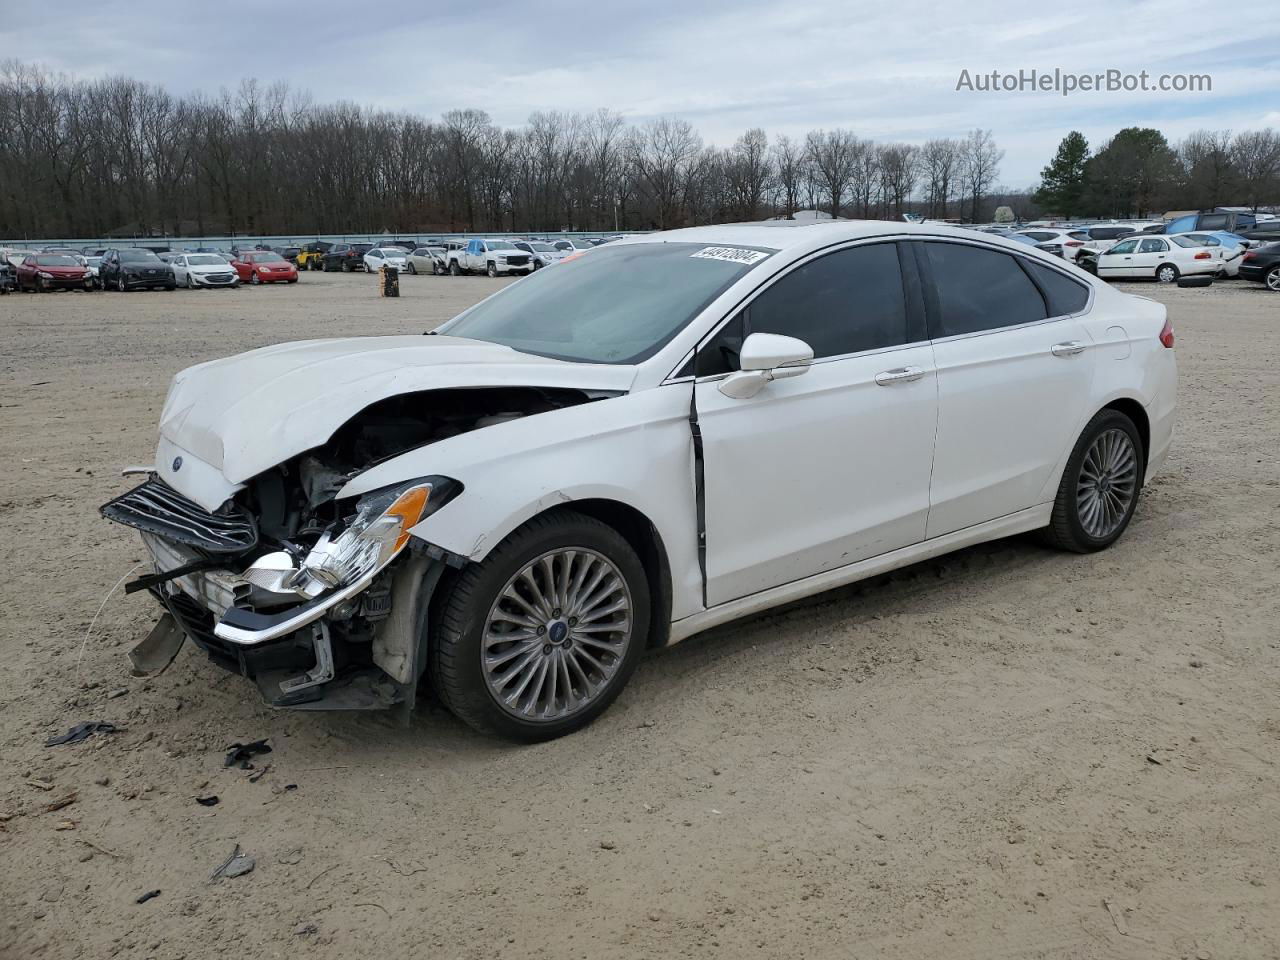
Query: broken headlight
{"type": "Point", "coordinates": [373, 538]}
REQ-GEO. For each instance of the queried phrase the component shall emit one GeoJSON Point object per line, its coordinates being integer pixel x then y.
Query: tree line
{"type": "Point", "coordinates": [87, 158]}
{"type": "Point", "coordinates": [116, 156]}
{"type": "Point", "coordinates": [1138, 172]}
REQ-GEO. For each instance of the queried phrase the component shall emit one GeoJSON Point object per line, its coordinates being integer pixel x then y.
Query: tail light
{"type": "Point", "coordinates": [1075, 243]}
{"type": "Point", "coordinates": [1166, 334]}
{"type": "Point", "coordinates": [1249, 256]}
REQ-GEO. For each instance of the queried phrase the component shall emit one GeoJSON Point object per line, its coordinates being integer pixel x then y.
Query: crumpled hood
{"type": "Point", "coordinates": [246, 413]}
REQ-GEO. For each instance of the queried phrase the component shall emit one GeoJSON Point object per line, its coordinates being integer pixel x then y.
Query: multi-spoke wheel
{"type": "Point", "coordinates": [538, 638]}
{"type": "Point", "coordinates": [1100, 485]}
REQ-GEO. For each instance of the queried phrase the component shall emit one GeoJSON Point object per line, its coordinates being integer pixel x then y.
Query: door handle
{"type": "Point", "coordinates": [901, 375]}
{"type": "Point", "coordinates": [1068, 349]}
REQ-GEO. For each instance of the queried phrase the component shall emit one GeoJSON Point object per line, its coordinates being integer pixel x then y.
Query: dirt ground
{"type": "Point", "coordinates": [1008, 752]}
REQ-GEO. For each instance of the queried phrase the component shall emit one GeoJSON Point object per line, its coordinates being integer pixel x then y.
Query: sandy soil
{"type": "Point", "coordinates": [1004, 753]}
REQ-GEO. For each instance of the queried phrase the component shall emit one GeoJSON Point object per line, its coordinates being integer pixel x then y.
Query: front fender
{"type": "Point", "coordinates": [633, 449]}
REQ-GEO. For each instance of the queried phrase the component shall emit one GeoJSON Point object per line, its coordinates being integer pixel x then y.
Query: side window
{"type": "Point", "coordinates": [844, 302]}
{"type": "Point", "coordinates": [1152, 245]}
{"type": "Point", "coordinates": [720, 355]}
{"type": "Point", "coordinates": [1124, 246]}
{"type": "Point", "coordinates": [1065, 295]}
{"type": "Point", "coordinates": [1213, 221]}
{"type": "Point", "coordinates": [980, 289]}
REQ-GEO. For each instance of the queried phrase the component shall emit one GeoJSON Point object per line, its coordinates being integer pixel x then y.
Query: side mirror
{"type": "Point", "coordinates": [765, 357]}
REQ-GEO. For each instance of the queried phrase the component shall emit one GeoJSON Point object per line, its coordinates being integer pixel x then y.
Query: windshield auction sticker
{"type": "Point", "coordinates": [732, 254]}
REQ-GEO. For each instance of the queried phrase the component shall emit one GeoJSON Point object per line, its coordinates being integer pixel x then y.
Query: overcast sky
{"type": "Point", "coordinates": [885, 70]}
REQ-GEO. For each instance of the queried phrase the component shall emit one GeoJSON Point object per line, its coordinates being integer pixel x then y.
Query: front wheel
{"type": "Point", "coordinates": [1167, 273]}
{"type": "Point", "coordinates": [412, 269]}
{"type": "Point", "coordinates": [1100, 485]}
{"type": "Point", "coordinates": [453, 268]}
{"type": "Point", "coordinates": [254, 278]}
{"type": "Point", "coordinates": [120, 287]}
{"type": "Point", "coordinates": [537, 639]}
{"type": "Point", "coordinates": [493, 271]}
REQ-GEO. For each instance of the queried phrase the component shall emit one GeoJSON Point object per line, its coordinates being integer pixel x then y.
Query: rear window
{"type": "Point", "coordinates": [1065, 296]}
{"type": "Point", "coordinates": [980, 289]}
{"type": "Point", "coordinates": [138, 256]}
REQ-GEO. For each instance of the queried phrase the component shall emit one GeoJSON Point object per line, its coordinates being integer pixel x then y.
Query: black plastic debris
{"type": "Point", "coordinates": [149, 895]}
{"type": "Point", "coordinates": [239, 754]}
{"type": "Point", "coordinates": [209, 801]}
{"type": "Point", "coordinates": [236, 865]}
{"type": "Point", "coordinates": [81, 731]}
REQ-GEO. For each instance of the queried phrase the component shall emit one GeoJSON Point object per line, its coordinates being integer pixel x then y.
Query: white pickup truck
{"type": "Point", "coordinates": [494, 257]}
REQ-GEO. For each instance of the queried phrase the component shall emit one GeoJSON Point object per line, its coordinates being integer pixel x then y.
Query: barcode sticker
{"type": "Point", "coordinates": [731, 254]}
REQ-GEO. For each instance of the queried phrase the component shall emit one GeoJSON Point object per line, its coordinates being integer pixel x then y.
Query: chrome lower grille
{"type": "Point", "coordinates": [157, 508]}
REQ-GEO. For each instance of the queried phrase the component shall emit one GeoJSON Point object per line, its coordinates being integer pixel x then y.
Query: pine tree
{"type": "Point", "coordinates": [1062, 181]}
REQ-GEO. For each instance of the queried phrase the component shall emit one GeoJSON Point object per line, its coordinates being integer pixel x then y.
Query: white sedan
{"type": "Point", "coordinates": [676, 431]}
{"type": "Point", "coordinates": [380, 257]}
{"type": "Point", "coordinates": [1071, 241]}
{"type": "Point", "coordinates": [544, 254]}
{"type": "Point", "coordinates": [1161, 258]}
{"type": "Point", "coordinates": [201, 270]}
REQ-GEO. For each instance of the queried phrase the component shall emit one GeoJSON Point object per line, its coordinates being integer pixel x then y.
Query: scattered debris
{"type": "Point", "coordinates": [82, 731]}
{"type": "Point", "coordinates": [61, 802]}
{"type": "Point", "coordinates": [647, 723]}
{"type": "Point", "coordinates": [117, 692]}
{"type": "Point", "coordinates": [66, 825]}
{"type": "Point", "coordinates": [209, 801]}
{"type": "Point", "coordinates": [608, 845]}
{"type": "Point", "coordinates": [102, 781]}
{"type": "Point", "coordinates": [305, 930]}
{"type": "Point", "coordinates": [378, 905]}
{"type": "Point", "coordinates": [397, 868]}
{"type": "Point", "coordinates": [239, 754]}
{"type": "Point", "coordinates": [1117, 917]}
{"type": "Point", "coordinates": [41, 784]}
{"type": "Point", "coordinates": [149, 895]}
{"type": "Point", "coordinates": [236, 865]}
{"type": "Point", "coordinates": [259, 773]}
{"type": "Point", "coordinates": [1151, 759]}
{"type": "Point", "coordinates": [1197, 663]}
{"type": "Point", "coordinates": [321, 874]}
{"type": "Point", "coordinates": [93, 846]}
{"type": "Point", "coordinates": [291, 857]}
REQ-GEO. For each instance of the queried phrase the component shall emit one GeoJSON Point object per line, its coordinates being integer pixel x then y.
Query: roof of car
{"type": "Point", "coordinates": [788, 234]}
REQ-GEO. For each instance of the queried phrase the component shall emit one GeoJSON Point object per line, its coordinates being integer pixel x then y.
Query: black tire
{"type": "Point", "coordinates": [454, 270]}
{"type": "Point", "coordinates": [1272, 280]}
{"type": "Point", "coordinates": [294, 280]}
{"type": "Point", "coordinates": [454, 647]}
{"type": "Point", "coordinates": [324, 266]}
{"type": "Point", "coordinates": [1066, 530]}
{"type": "Point", "coordinates": [492, 270]}
{"type": "Point", "coordinates": [346, 267]}
{"type": "Point", "coordinates": [412, 268]}
{"type": "Point", "coordinates": [1167, 273]}
{"type": "Point", "coordinates": [120, 285]}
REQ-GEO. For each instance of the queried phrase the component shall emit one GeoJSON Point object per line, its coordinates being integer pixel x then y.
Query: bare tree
{"type": "Point", "coordinates": [832, 156]}
{"type": "Point", "coordinates": [1257, 159]}
{"type": "Point", "coordinates": [748, 171]}
{"type": "Point", "coordinates": [979, 167]}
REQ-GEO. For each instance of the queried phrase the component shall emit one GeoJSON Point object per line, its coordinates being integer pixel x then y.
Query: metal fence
{"type": "Point", "coordinates": [280, 240]}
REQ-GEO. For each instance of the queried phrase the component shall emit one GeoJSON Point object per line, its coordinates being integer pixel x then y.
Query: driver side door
{"type": "Point", "coordinates": [822, 470]}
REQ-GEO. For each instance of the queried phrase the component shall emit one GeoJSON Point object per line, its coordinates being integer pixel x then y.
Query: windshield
{"type": "Point", "coordinates": [581, 245]}
{"type": "Point", "coordinates": [267, 258]}
{"type": "Point", "coordinates": [541, 247]}
{"type": "Point", "coordinates": [619, 305]}
{"type": "Point", "coordinates": [57, 260]}
{"type": "Point", "coordinates": [500, 245]}
{"type": "Point", "coordinates": [205, 260]}
{"type": "Point", "coordinates": [137, 256]}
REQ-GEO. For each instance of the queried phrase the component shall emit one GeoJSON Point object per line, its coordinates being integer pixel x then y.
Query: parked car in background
{"type": "Point", "coordinates": [1230, 220]}
{"type": "Point", "coordinates": [1262, 265]}
{"type": "Point", "coordinates": [310, 255]}
{"type": "Point", "coordinates": [1268, 232]}
{"type": "Point", "coordinates": [1104, 237]}
{"type": "Point", "coordinates": [1161, 258]}
{"type": "Point", "coordinates": [1231, 247]}
{"type": "Point", "coordinates": [15, 257]}
{"type": "Point", "coordinates": [1070, 240]}
{"type": "Point", "coordinates": [94, 266]}
{"type": "Point", "coordinates": [8, 281]}
{"type": "Point", "coordinates": [290, 254]}
{"type": "Point", "coordinates": [134, 268]}
{"type": "Point", "coordinates": [574, 245]}
{"type": "Point", "coordinates": [544, 254]}
{"type": "Point", "coordinates": [45, 272]}
{"type": "Point", "coordinates": [378, 257]}
{"type": "Point", "coordinates": [264, 266]}
{"type": "Point", "coordinates": [345, 257]}
{"type": "Point", "coordinates": [552, 549]}
{"type": "Point", "coordinates": [193, 270]}
{"type": "Point", "coordinates": [494, 257]}
{"type": "Point", "coordinates": [429, 259]}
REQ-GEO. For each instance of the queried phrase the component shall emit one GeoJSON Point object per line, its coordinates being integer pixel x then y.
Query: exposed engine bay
{"type": "Point", "coordinates": [285, 561]}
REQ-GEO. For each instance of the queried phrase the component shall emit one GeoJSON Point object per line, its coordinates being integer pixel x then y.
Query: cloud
{"type": "Point", "coordinates": [887, 71]}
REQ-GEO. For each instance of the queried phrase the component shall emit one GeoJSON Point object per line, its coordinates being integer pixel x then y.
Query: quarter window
{"type": "Point", "coordinates": [1153, 246]}
{"type": "Point", "coordinates": [1065, 295]}
{"type": "Point", "coordinates": [844, 302]}
{"type": "Point", "coordinates": [980, 289]}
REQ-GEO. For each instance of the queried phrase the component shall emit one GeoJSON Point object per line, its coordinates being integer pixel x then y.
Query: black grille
{"type": "Point", "coordinates": [157, 508]}
{"type": "Point", "coordinates": [517, 261]}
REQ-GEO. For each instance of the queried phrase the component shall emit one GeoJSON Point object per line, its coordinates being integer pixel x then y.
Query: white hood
{"type": "Point", "coordinates": [247, 413]}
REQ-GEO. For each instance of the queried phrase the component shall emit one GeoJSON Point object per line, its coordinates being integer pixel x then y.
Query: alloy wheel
{"type": "Point", "coordinates": [557, 634]}
{"type": "Point", "coordinates": [1273, 279]}
{"type": "Point", "coordinates": [1107, 484]}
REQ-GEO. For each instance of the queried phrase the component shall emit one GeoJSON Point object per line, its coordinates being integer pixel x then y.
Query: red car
{"type": "Point", "coordinates": [264, 266]}
{"type": "Point", "coordinates": [42, 272]}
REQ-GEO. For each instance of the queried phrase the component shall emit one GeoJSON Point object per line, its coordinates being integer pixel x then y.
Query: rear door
{"type": "Point", "coordinates": [1014, 366]}
{"type": "Point", "coordinates": [1151, 253]}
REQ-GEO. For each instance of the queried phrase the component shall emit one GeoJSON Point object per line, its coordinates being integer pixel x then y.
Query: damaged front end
{"type": "Point", "coordinates": [320, 599]}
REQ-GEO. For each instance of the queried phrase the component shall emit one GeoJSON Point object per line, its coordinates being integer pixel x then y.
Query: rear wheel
{"type": "Point", "coordinates": [412, 268]}
{"type": "Point", "coordinates": [1100, 485]}
{"type": "Point", "coordinates": [1167, 273]}
{"type": "Point", "coordinates": [537, 639]}
{"type": "Point", "coordinates": [1273, 279]}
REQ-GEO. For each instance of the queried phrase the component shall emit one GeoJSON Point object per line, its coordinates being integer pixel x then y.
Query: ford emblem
{"type": "Point", "coordinates": [177, 464]}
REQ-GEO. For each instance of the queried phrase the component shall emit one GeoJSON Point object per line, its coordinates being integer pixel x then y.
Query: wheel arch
{"type": "Point", "coordinates": [1136, 412]}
